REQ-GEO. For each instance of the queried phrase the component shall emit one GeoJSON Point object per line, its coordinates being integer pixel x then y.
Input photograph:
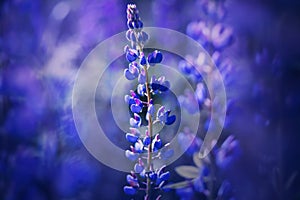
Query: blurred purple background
{"type": "Point", "coordinates": [43, 43]}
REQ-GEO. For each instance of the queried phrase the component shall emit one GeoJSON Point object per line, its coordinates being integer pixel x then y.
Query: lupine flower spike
{"type": "Point", "coordinates": [144, 177]}
{"type": "Point", "coordinates": [214, 36]}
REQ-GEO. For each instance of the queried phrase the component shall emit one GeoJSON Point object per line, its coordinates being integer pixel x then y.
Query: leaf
{"type": "Point", "coordinates": [197, 160]}
{"type": "Point", "coordinates": [187, 171]}
{"type": "Point", "coordinates": [178, 185]}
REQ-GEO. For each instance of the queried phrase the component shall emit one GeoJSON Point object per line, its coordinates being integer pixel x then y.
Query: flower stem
{"type": "Point", "coordinates": [150, 123]}
{"type": "Point", "coordinates": [150, 126]}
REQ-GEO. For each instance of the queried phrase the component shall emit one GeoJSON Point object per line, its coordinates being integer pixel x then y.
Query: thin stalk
{"type": "Point", "coordinates": [150, 127]}
{"type": "Point", "coordinates": [150, 124]}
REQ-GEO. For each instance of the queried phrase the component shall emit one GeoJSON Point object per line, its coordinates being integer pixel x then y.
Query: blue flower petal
{"type": "Point", "coordinates": [132, 181]}
{"type": "Point", "coordinates": [157, 145]}
{"type": "Point", "coordinates": [135, 108]}
{"type": "Point", "coordinates": [152, 176]}
{"type": "Point", "coordinates": [129, 100]}
{"type": "Point", "coordinates": [155, 57]}
{"type": "Point", "coordinates": [165, 176]}
{"type": "Point", "coordinates": [129, 190]}
{"type": "Point", "coordinates": [135, 131]}
{"type": "Point", "coordinates": [139, 146]}
{"type": "Point", "coordinates": [131, 138]}
{"type": "Point", "coordinates": [147, 141]}
{"type": "Point", "coordinates": [170, 120]}
{"type": "Point", "coordinates": [138, 168]}
{"type": "Point", "coordinates": [129, 75]}
{"type": "Point", "coordinates": [131, 55]}
{"type": "Point", "coordinates": [160, 112]}
{"type": "Point", "coordinates": [185, 67]}
{"type": "Point", "coordinates": [143, 61]}
{"type": "Point", "coordinates": [131, 155]}
{"type": "Point", "coordinates": [136, 121]}
{"type": "Point", "coordinates": [141, 89]}
{"type": "Point", "coordinates": [162, 88]}
{"type": "Point", "coordinates": [130, 24]}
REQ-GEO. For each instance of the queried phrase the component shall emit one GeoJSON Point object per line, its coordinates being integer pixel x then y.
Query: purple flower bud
{"type": "Point", "coordinates": [138, 168]}
{"type": "Point", "coordinates": [135, 108]}
{"type": "Point", "coordinates": [141, 89]}
{"type": "Point", "coordinates": [185, 67]}
{"type": "Point", "coordinates": [130, 35]}
{"type": "Point", "coordinates": [139, 146]}
{"type": "Point", "coordinates": [142, 76]}
{"type": "Point", "coordinates": [129, 100]}
{"type": "Point", "coordinates": [160, 84]}
{"type": "Point", "coordinates": [131, 138]}
{"type": "Point", "coordinates": [216, 57]}
{"type": "Point", "coordinates": [131, 155]}
{"type": "Point", "coordinates": [193, 30]}
{"type": "Point", "coordinates": [132, 93]}
{"type": "Point", "coordinates": [147, 140]}
{"type": "Point", "coordinates": [128, 75]}
{"type": "Point", "coordinates": [150, 111]}
{"type": "Point", "coordinates": [221, 36]}
{"type": "Point", "coordinates": [131, 55]}
{"type": "Point", "coordinates": [156, 143]}
{"type": "Point", "coordinates": [136, 121]}
{"type": "Point", "coordinates": [138, 24]}
{"type": "Point", "coordinates": [170, 119]}
{"type": "Point", "coordinates": [152, 176]}
{"type": "Point", "coordinates": [129, 190]}
{"type": "Point", "coordinates": [132, 181]}
{"type": "Point", "coordinates": [130, 24]}
{"type": "Point", "coordinates": [135, 131]}
{"type": "Point", "coordinates": [160, 114]}
{"type": "Point", "coordinates": [163, 116]}
{"type": "Point", "coordinates": [132, 72]}
{"type": "Point", "coordinates": [155, 57]}
{"type": "Point", "coordinates": [200, 93]}
{"type": "Point", "coordinates": [143, 60]}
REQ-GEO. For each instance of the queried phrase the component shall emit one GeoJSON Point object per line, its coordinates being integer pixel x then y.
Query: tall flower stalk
{"type": "Point", "coordinates": [148, 146]}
